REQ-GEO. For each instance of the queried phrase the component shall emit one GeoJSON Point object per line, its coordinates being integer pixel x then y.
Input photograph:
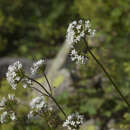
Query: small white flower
{"type": "Point", "coordinates": [92, 33]}
{"type": "Point", "coordinates": [30, 115]}
{"type": "Point", "coordinates": [24, 85]}
{"type": "Point", "coordinates": [11, 96]}
{"type": "Point", "coordinates": [3, 101]}
{"type": "Point", "coordinates": [87, 24]}
{"type": "Point", "coordinates": [12, 116]}
{"type": "Point", "coordinates": [73, 52]}
{"type": "Point", "coordinates": [26, 82]}
{"type": "Point", "coordinates": [36, 66]}
{"type": "Point", "coordinates": [17, 78]}
{"type": "Point", "coordinates": [7, 107]}
{"type": "Point", "coordinates": [3, 117]}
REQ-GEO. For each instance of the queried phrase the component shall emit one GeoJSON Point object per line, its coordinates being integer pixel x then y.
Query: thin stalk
{"type": "Point", "coordinates": [48, 82]}
{"type": "Point", "coordinates": [107, 74]}
{"type": "Point", "coordinates": [38, 91]}
{"type": "Point", "coordinates": [49, 95]}
{"type": "Point", "coordinates": [34, 59]}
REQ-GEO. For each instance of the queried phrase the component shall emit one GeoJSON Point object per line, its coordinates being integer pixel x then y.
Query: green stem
{"type": "Point", "coordinates": [107, 74]}
{"type": "Point", "coordinates": [38, 91]}
{"type": "Point", "coordinates": [48, 82]}
{"type": "Point", "coordinates": [60, 108]}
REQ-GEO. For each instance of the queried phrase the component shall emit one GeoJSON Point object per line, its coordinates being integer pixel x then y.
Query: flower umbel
{"type": "Point", "coordinates": [8, 105]}
{"type": "Point", "coordinates": [3, 117]}
{"type": "Point", "coordinates": [36, 66]}
{"type": "Point", "coordinates": [38, 103]}
{"type": "Point", "coordinates": [73, 121]}
{"type": "Point", "coordinates": [7, 115]}
{"type": "Point", "coordinates": [14, 74]}
{"type": "Point", "coordinates": [76, 31]}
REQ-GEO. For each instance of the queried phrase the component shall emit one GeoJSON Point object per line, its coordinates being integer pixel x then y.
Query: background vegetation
{"type": "Point", "coordinates": [29, 27]}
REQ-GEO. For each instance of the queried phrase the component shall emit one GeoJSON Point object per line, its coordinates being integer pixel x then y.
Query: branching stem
{"type": "Point", "coordinates": [38, 91]}
{"type": "Point", "coordinates": [60, 108]}
{"type": "Point", "coordinates": [48, 82]}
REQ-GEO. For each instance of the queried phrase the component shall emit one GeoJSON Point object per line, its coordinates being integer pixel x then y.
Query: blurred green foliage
{"type": "Point", "coordinates": [111, 20]}
{"type": "Point", "coordinates": [33, 26]}
{"type": "Point", "coordinates": [28, 27]}
{"type": "Point", "coordinates": [23, 96]}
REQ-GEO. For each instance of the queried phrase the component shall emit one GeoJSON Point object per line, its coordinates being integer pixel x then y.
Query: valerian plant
{"type": "Point", "coordinates": [81, 30]}
{"type": "Point", "coordinates": [78, 33]}
{"type": "Point", "coordinates": [38, 106]}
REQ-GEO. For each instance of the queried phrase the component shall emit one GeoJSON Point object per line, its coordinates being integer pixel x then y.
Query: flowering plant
{"type": "Point", "coordinates": [81, 30]}
{"type": "Point", "coordinates": [77, 34]}
{"type": "Point", "coordinates": [38, 106]}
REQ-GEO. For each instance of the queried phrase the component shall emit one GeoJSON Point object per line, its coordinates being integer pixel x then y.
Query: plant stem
{"type": "Point", "coordinates": [48, 82]}
{"type": "Point", "coordinates": [38, 91]}
{"type": "Point", "coordinates": [107, 74]}
{"type": "Point", "coordinates": [49, 95]}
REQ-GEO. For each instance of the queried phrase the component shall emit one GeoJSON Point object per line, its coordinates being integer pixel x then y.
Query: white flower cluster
{"type": "Point", "coordinates": [37, 104]}
{"type": "Point", "coordinates": [78, 58]}
{"type": "Point", "coordinates": [6, 114]}
{"type": "Point", "coordinates": [73, 121]}
{"type": "Point", "coordinates": [4, 100]}
{"type": "Point", "coordinates": [26, 82]}
{"type": "Point", "coordinates": [36, 66]}
{"type": "Point", "coordinates": [2, 103]}
{"type": "Point", "coordinates": [13, 74]}
{"type": "Point", "coordinates": [76, 31]}
{"type": "Point", "coordinates": [16, 73]}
